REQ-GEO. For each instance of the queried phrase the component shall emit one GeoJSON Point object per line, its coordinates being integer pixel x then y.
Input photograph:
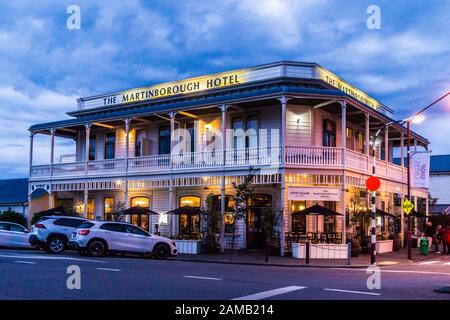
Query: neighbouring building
{"type": "Point", "coordinates": [14, 195]}
{"type": "Point", "coordinates": [304, 131]}
{"type": "Point", "coordinates": [440, 183]}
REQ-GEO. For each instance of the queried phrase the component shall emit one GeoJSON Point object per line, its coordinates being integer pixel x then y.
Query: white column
{"type": "Point", "coordinates": [52, 150]}
{"type": "Point", "coordinates": [222, 188]}
{"type": "Point", "coordinates": [386, 143]}
{"type": "Point", "coordinates": [402, 149]}
{"type": "Point", "coordinates": [415, 145]}
{"type": "Point", "coordinates": [127, 155]}
{"type": "Point", "coordinates": [86, 168]}
{"type": "Point", "coordinates": [284, 101]}
{"type": "Point", "coordinates": [344, 184]}
{"type": "Point", "coordinates": [172, 129]}
{"type": "Point", "coordinates": [31, 152]}
{"type": "Point", "coordinates": [85, 200]}
{"type": "Point", "coordinates": [367, 135]}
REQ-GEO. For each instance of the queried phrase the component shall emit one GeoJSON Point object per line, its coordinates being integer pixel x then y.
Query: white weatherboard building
{"type": "Point", "coordinates": [303, 130]}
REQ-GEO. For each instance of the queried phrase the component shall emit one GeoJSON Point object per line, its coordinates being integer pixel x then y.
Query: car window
{"type": "Point", "coordinates": [3, 226]}
{"type": "Point", "coordinates": [85, 225]}
{"type": "Point", "coordinates": [14, 227]}
{"type": "Point", "coordinates": [67, 222]}
{"type": "Point", "coordinates": [136, 230]}
{"type": "Point", "coordinates": [116, 227]}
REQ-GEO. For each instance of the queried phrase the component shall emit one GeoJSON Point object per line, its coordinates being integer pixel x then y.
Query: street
{"type": "Point", "coordinates": [37, 275]}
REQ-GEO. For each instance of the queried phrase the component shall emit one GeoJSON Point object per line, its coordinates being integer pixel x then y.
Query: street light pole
{"type": "Point", "coordinates": [373, 239]}
{"type": "Point", "coordinates": [408, 152]}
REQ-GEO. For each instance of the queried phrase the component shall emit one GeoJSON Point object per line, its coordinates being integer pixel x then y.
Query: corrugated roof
{"type": "Point", "coordinates": [440, 163]}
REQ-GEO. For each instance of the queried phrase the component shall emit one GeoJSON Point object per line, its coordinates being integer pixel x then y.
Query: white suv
{"type": "Point", "coordinates": [52, 233]}
{"type": "Point", "coordinates": [97, 238]}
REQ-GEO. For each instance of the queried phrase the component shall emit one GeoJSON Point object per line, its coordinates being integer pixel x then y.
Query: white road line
{"type": "Point", "coordinates": [46, 257]}
{"type": "Point", "coordinates": [25, 262]}
{"type": "Point", "coordinates": [109, 269]}
{"type": "Point", "coordinates": [270, 293]}
{"type": "Point", "coordinates": [204, 278]}
{"type": "Point", "coordinates": [353, 291]}
{"type": "Point", "coordinates": [447, 264]}
{"type": "Point", "coordinates": [429, 262]}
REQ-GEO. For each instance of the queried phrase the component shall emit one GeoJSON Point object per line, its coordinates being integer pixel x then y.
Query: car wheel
{"type": "Point", "coordinates": [55, 245]}
{"type": "Point", "coordinates": [97, 248]}
{"type": "Point", "coordinates": [161, 251]}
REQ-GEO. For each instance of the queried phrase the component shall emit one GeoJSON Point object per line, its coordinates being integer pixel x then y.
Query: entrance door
{"type": "Point", "coordinates": [255, 233]}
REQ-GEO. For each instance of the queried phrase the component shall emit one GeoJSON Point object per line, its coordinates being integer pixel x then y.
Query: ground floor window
{"type": "Point", "coordinates": [67, 204]}
{"type": "Point", "coordinates": [298, 221]}
{"type": "Point", "coordinates": [140, 220]}
{"type": "Point", "coordinates": [91, 209]}
{"type": "Point", "coordinates": [228, 217]}
{"type": "Point", "coordinates": [108, 208]}
{"type": "Point", "coordinates": [329, 222]}
{"type": "Point", "coordinates": [255, 226]}
{"type": "Point", "coordinates": [189, 223]}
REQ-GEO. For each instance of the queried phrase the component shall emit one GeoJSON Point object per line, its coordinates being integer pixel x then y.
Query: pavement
{"type": "Point", "coordinates": [37, 275]}
{"type": "Point", "coordinates": [258, 258]}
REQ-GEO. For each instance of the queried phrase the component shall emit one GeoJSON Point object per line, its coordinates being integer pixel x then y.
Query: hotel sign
{"type": "Point", "coordinates": [340, 84]}
{"type": "Point", "coordinates": [182, 87]}
{"type": "Point", "coordinates": [313, 193]}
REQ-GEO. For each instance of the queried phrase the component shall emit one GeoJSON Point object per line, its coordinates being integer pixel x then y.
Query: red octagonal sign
{"type": "Point", "coordinates": [373, 183]}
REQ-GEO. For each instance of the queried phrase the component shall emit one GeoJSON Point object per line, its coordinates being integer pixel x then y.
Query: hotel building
{"type": "Point", "coordinates": [304, 131]}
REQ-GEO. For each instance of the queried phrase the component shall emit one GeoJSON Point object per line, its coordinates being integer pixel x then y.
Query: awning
{"type": "Point", "coordinates": [185, 210]}
{"type": "Point", "coordinates": [316, 210]}
{"type": "Point", "coordinates": [139, 211]}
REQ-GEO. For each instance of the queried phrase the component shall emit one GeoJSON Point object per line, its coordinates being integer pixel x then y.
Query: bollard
{"type": "Point", "coordinates": [307, 252]}
{"type": "Point", "coordinates": [349, 251]}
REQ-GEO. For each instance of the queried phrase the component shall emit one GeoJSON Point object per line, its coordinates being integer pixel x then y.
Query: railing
{"type": "Point", "coordinates": [314, 156]}
{"type": "Point", "coordinates": [323, 157]}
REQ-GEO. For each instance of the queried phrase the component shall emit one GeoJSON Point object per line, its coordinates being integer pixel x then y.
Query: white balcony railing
{"type": "Point", "coordinates": [317, 157]}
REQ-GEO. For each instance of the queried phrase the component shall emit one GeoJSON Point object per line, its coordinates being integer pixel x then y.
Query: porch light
{"type": "Point", "coordinates": [207, 127]}
{"type": "Point", "coordinates": [299, 118]}
{"type": "Point", "coordinates": [118, 182]}
{"type": "Point", "coordinates": [205, 179]}
{"type": "Point", "coordinates": [80, 208]}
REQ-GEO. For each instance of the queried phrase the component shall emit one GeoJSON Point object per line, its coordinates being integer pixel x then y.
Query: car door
{"type": "Point", "coordinates": [138, 240]}
{"type": "Point", "coordinates": [19, 236]}
{"type": "Point", "coordinates": [115, 235]}
{"type": "Point", "coordinates": [4, 235]}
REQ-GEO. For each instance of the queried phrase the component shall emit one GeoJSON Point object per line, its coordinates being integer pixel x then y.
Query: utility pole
{"type": "Point", "coordinates": [408, 152]}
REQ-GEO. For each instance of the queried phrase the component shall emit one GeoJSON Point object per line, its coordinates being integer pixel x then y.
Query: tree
{"type": "Point", "coordinates": [209, 218]}
{"type": "Point", "coordinates": [116, 213]}
{"type": "Point", "coordinates": [13, 216]}
{"type": "Point", "coordinates": [270, 220]}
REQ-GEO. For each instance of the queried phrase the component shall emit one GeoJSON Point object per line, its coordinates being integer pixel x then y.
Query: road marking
{"type": "Point", "coordinates": [353, 291]}
{"type": "Point", "coordinates": [270, 293]}
{"type": "Point", "coordinates": [447, 264]}
{"type": "Point", "coordinates": [204, 278]}
{"type": "Point", "coordinates": [49, 257]}
{"type": "Point", "coordinates": [429, 262]}
{"type": "Point", "coordinates": [25, 262]}
{"type": "Point", "coordinates": [109, 269]}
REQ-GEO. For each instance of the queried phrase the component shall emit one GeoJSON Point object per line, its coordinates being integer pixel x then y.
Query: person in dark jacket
{"type": "Point", "coordinates": [429, 233]}
{"type": "Point", "coordinates": [445, 236]}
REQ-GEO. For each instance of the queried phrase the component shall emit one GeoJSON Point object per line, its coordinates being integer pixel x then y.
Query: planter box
{"type": "Point", "coordinates": [384, 246]}
{"type": "Point", "coordinates": [188, 246]}
{"type": "Point", "coordinates": [320, 251]}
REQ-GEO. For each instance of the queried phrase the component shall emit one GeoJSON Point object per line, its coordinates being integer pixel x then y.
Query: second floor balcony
{"type": "Point", "coordinates": [267, 157]}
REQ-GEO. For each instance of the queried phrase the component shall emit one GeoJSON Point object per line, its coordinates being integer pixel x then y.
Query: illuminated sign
{"type": "Point", "coordinates": [340, 84]}
{"type": "Point", "coordinates": [313, 193]}
{"type": "Point", "coordinates": [186, 86]}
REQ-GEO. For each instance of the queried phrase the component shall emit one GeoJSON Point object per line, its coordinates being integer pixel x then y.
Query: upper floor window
{"type": "Point", "coordinates": [349, 133]}
{"type": "Point", "coordinates": [138, 148]}
{"type": "Point", "coordinates": [245, 132]}
{"type": "Point", "coordinates": [110, 145]}
{"type": "Point", "coordinates": [164, 140]}
{"type": "Point", "coordinates": [360, 142]}
{"type": "Point", "coordinates": [92, 147]}
{"type": "Point", "coordinates": [329, 133]}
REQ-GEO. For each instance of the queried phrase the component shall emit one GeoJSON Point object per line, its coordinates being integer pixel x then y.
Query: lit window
{"type": "Point", "coordinates": [349, 133]}
{"type": "Point", "coordinates": [191, 201]}
{"type": "Point", "coordinates": [141, 202]}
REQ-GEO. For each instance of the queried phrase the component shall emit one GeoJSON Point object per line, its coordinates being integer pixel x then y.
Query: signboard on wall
{"type": "Point", "coordinates": [313, 193]}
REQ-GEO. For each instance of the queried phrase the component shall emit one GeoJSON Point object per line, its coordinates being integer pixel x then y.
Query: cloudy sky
{"type": "Point", "coordinates": [44, 66]}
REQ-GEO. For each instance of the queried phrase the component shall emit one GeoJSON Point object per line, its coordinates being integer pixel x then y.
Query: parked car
{"type": "Point", "coordinates": [52, 233]}
{"type": "Point", "coordinates": [14, 235]}
{"type": "Point", "coordinates": [97, 238]}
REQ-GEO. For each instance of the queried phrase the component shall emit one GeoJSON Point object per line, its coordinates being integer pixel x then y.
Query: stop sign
{"type": "Point", "coordinates": [373, 183]}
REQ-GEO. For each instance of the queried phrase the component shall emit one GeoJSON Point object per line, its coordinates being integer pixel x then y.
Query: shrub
{"type": "Point", "coordinates": [13, 216]}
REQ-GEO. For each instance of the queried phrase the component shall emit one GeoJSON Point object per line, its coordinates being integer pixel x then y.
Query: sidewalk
{"type": "Point", "coordinates": [257, 258]}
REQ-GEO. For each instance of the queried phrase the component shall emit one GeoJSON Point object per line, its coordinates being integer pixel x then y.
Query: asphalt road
{"type": "Point", "coordinates": [38, 275]}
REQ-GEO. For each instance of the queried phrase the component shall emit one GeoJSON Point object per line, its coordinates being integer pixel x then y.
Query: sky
{"type": "Point", "coordinates": [45, 67]}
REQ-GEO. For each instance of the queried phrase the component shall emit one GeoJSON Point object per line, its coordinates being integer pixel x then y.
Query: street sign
{"type": "Point", "coordinates": [407, 206]}
{"type": "Point", "coordinates": [373, 183]}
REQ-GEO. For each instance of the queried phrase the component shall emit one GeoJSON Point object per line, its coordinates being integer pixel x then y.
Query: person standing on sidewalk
{"type": "Point", "coordinates": [429, 233]}
{"type": "Point", "coordinates": [445, 236]}
{"type": "Point", "coordinates": [438, 238]}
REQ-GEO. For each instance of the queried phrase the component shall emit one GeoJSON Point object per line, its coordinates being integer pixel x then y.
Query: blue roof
{"type": "Point", "coordinates": [14, 190]}
{"type": "Point", "coordinates": [438, 163]}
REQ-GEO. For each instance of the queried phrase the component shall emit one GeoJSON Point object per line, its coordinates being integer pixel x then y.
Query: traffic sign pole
{"type": "Point", "coordinates": [372, 184]}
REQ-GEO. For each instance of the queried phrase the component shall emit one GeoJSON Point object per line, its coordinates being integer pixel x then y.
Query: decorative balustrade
{"type": "Point", "coordinates": [319, 157]}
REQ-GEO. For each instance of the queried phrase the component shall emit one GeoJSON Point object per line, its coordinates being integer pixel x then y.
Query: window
{"type": "Point", "coordinates": [115, 227]}
{"type": "Point", "coordinates": [189, 223]}
{"type": "Point", "coordinates": [92, 147]}
{"type": "Point", "coordinates": [360, 142]}
{"type": "Point", "coordinates": [238, 138]}
{"type": "Point", "coordinates": [329, 222]}
{"type": "Point", "coordinates": [136, 230]}
{"type": "Point", "coordinates": [86, 225]}
{"type": "Point", "coordinates": [164, 140]}
{"type": "Point", "coordinates": [140, 201]}
{"type": "Point", "coordinates": [248, 137]}
{"type": "Point", "coordinates": [108, 208]}
{"type": "Point", "coordinates": [349, 133]}
{"type": "Point", "coordinates": [68, 222]}
{"type": "Point", "coordinates": [252, 132]}
{"type": "Point", "coordinates": [329, 133]}
{"type": "Point", "coordinates": [17, 228]}
{"type": "Point", "coordinates": [140, 136]}
{"type": "Point", "coordinates": [110, 145]}
{"type": "Point", "coordinates": [298, 221]}
{"type": "Point", "coordinates": [90, 209]}
{"type": "Point", "coordinates": [3, 226]}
